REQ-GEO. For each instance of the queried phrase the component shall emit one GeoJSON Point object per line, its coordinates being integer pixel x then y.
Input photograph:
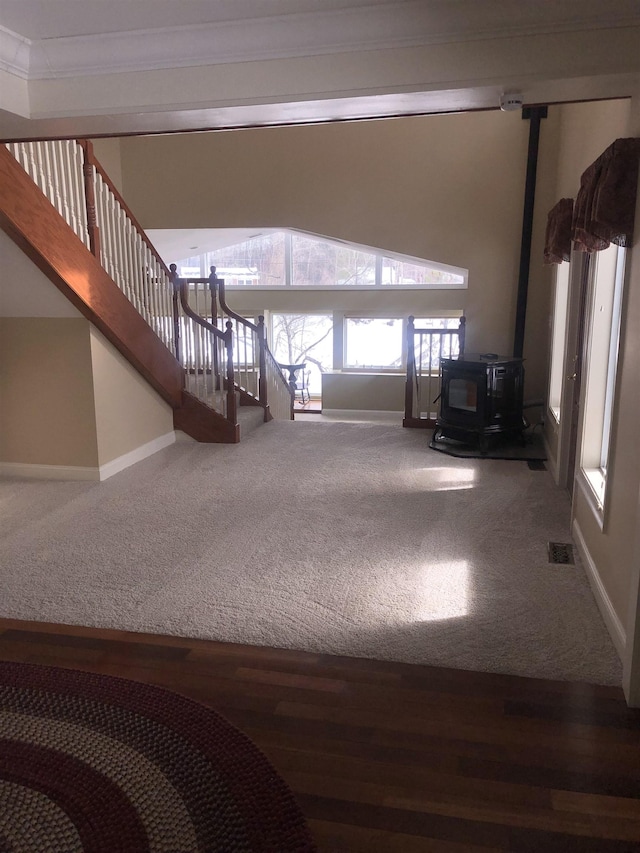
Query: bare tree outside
{"type": "Point", "coordinates": [305, 338]}
{"type": "Point", "coordinates": [322, 263]}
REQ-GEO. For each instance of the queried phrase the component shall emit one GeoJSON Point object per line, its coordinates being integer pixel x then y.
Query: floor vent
{"type": "Point", "coordinates": [536, 464]}
{"type": "Point", "coordinates": [560, 553]}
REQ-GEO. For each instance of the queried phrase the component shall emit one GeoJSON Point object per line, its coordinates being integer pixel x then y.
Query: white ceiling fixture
{"type": "Point", "coordinates": [510, 102]}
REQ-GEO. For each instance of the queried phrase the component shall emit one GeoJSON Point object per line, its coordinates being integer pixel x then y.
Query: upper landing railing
{"type": "Point", "coordinates": [425, 349]}
{"type": "Point", "coordinates": [256, 373]}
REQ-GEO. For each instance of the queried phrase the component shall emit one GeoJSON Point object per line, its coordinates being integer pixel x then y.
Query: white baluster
{"type": "Point", "coordinates": [77, 159]}
{"type": "Point", "coordinates": [68, 194]}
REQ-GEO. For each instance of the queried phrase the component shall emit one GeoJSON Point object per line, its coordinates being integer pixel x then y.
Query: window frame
{"type": "Point", "coordinates": [596, 424]}
{"type": "Point", "coordinates": [347, 368]}
{"type": "Point", "coordinates": [269, 322]}
{"type": "Point", "coordinates": [379, 258]}
{"type": "Point", "coordinates": [444, 314]}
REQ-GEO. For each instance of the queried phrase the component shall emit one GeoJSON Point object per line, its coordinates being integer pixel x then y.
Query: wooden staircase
{"type": "Point", "coordinates": [60, 207]}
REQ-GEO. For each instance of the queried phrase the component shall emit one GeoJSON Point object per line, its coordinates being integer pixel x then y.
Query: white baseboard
{"type": "Point", "coordinates": [611, 620]}
{"type": "Point", "coordinates": [137, 455]}
{"type": "Point", "coordinates": [75, 472]}
{"type": "Point", "coordinates": [49, 472]}
{"type": "Point", "coordinates": [357, 413]}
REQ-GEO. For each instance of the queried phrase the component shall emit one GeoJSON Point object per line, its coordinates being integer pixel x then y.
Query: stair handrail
{"type": "Point", "coordinates": [224, 338]}
{"type": "Point", "coordinates": [222, 298]}
{"type": "Point", "coordinates": [413, 416]}
{"type": "Point", "coordinates": [258, 376]}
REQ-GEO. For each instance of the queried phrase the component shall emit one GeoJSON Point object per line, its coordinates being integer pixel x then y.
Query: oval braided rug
{"type": "Point", "coordinates": [96, 764]}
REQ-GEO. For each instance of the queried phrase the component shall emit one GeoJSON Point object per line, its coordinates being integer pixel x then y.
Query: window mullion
{"type": "Point", "coordinates": [378, 272]}
{"type": "Point", "coordinates": [288, 260]}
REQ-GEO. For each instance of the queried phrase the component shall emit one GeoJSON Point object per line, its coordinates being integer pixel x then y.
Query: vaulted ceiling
{"type": "Point", "coordinates": [91, 67]}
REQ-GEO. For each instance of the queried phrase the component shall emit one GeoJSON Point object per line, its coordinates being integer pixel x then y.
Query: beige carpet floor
{"type": "Point", "coordinates": [343, 537]}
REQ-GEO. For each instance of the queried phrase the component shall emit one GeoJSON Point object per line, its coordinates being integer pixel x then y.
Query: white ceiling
{"type": "Point", "coordinates": [67, 65]}
{"type": "Point", "coordinates": [56, 19]}
{"type": "Point", "coordinates": [46, 19]}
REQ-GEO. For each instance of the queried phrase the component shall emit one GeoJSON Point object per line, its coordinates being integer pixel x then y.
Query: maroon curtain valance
{"type": "Point", "coordinates": [605, 206]}
{"type": "Point", "coordinates": [604, 209]}
{"type": "Point", "coordinates": [557, 241]}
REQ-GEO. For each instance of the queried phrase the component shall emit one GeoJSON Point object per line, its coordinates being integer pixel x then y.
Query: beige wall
{"type": "Point", "coordinates": [47, 413]}
{"type": "Point", "coordinates": [373, 392]}
{"type": "Point", "coordinates": [128, 412]}
{"type": "Point", "coordinates": [67, 397]}
{"type": "Point", "coordinates": [445, 188]}
{"type": "Point", "coordinates": [25, 291]}
{"type": "Point", "coordinates": [107, 152]}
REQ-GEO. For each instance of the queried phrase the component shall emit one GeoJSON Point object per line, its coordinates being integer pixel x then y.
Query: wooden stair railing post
{"type": "Point", "coordinates": [213, 289]}
{"type": "Point", "coordinates": [262, 362]}
{"type": "Point", "coordinates": [411, 369]}
{"type": "Point", "coordinates": [175, 280]}
{"type": "Point", "coordinates": [462, 330]}
{"type": "Point", "coordinates": [232, 403]}
{"type": "Point", "coordinates": [90, 196]}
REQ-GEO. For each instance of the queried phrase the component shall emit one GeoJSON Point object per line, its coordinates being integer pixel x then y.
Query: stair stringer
{"type": "Point", "coordinates": [203, 423]}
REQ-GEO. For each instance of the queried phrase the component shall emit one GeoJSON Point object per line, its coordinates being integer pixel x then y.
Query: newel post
{"type": "Point", "coordinates": [232, 405]}
{"type": "Point", "coordinates": [262, 368]}
{"type": "Point", "coordinates": [411, 369]}
{"type": "Point", "coordinates": [462, 331]}
{"type": "Point", "coordinates": [90, 196]}
{"type": "Point", "coordinates": [173, 269]}
{"type": "Point", "coordinates": [213, 289]}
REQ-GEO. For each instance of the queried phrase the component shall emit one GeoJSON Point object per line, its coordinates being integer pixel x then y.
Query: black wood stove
{"type": "Point", "coordinates": [480, 397]}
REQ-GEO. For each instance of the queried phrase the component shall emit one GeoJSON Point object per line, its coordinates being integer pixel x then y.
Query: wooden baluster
{"type": "Point", "coordinates": [462, 330]}
{"type": "Point", "coordinates": [262, 374]}
{"type": "Point", "coordinates": [232, 413]}
{"type": "Point", "coordinates": [213, 290]}
{"type": "Point", "coordinates": [176, 310]}
{"type": "Point", "coordinates": [90, 197]}
{"type": "Point", "coordinates": [411, 369]}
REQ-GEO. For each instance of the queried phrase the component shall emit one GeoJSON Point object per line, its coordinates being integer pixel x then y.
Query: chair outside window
{"type": "Point", "coordinates": [298, 378]}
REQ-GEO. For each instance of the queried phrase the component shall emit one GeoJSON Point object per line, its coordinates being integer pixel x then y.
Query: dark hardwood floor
{"type": "Point", "coordinates": [394, 757]}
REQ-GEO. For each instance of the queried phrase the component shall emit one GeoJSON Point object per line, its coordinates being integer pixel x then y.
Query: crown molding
{"type": "Point", "coordinates": [15, 51]}
{"type": "Point", "coordinates": [398, 24]}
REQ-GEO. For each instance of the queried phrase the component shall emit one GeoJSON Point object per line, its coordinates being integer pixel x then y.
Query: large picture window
{"type": "Point", "coordinates": [323, 263]}
{"type": "Point", "coordinates": [258, 262]}
{"type": "Point", "coordinates": [373, 343]}
{"type": "Point", "coordinates": [296, 259]}
{"type": "Point", "coordinates": [304, 338]}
